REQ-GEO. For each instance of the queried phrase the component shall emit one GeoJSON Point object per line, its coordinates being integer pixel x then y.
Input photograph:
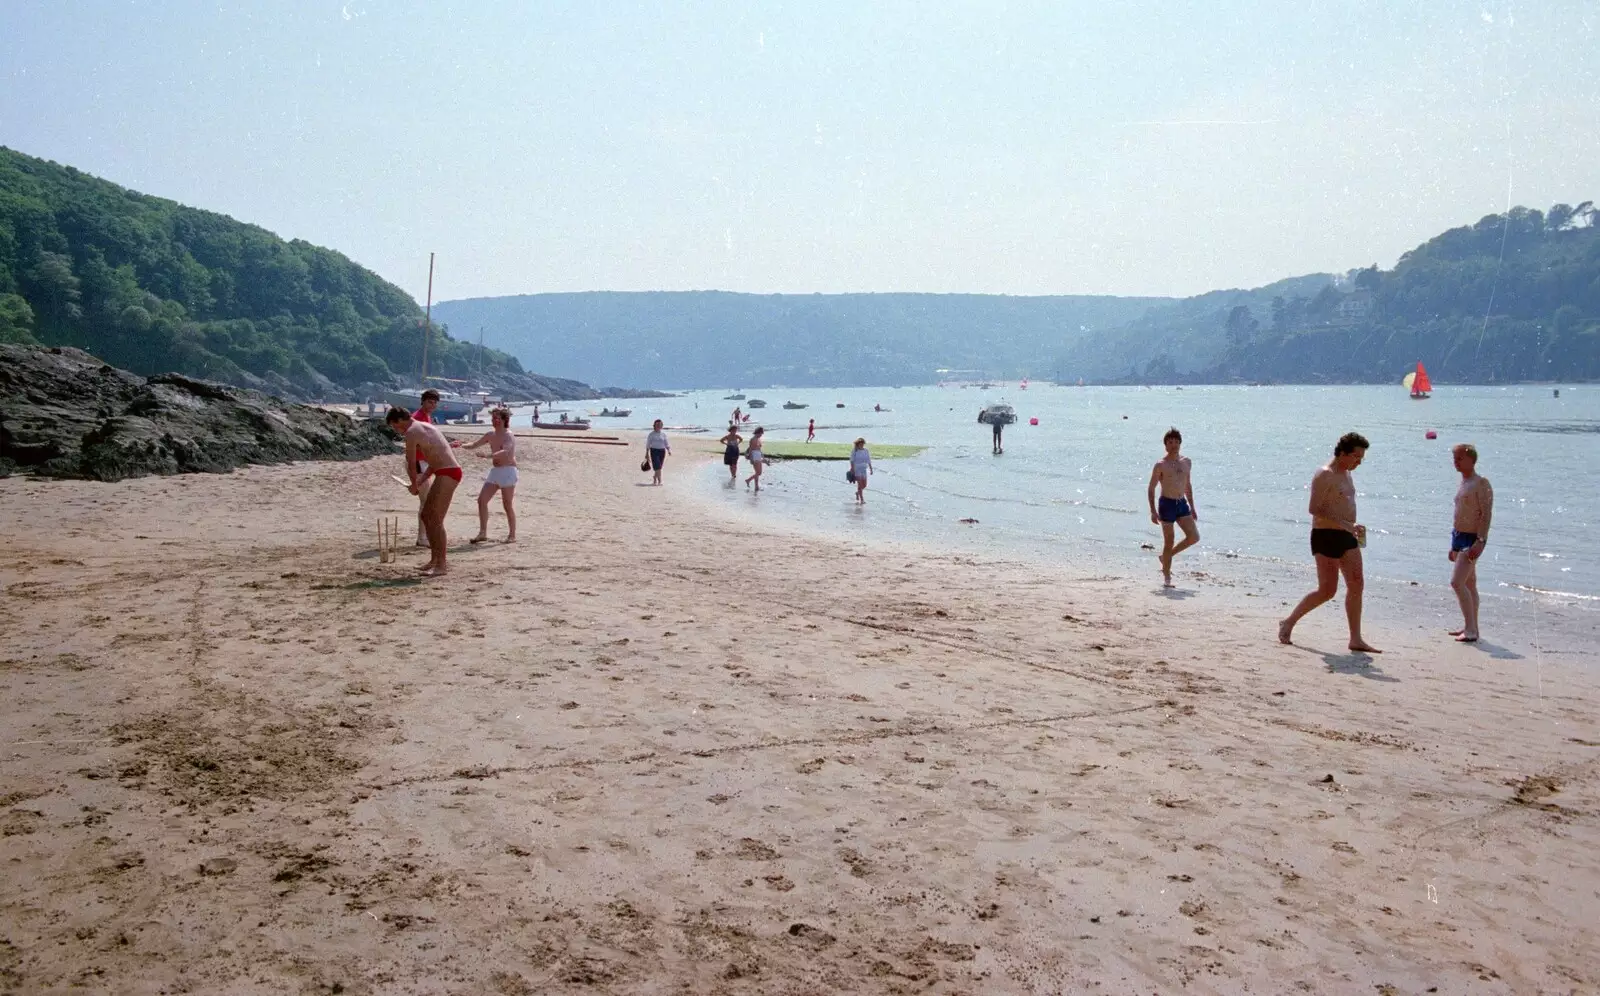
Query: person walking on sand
{"type": "Point", "coordinates": [657, 444]}
{"type": "Point", "coordinates": [1336, 540]}
{"type": "Point", "coordinates": [811, 430]}
{"type": "Point", "coordinates": [1468, 537]}
{"type": "Point", "coordinates": [757, 460]}
{"type": "Point", "coordinates": [730, 451]}
{"type": "Point", "coordinates": [1172, 475]}
{"type": "Point", "coordinates": [440, 478]}
{"type": "Point", "coordinates": [860, 468]}
{"type": "Point", "coordinates": [502, 475]}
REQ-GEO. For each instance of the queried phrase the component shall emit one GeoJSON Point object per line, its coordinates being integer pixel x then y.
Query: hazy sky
{"type": "Point", "coordinates": [1023, 148]}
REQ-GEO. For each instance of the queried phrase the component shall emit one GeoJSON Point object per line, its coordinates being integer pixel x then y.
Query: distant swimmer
{"type": "Point", "coordinates": [1172, 474]}
{"type": "Point", "coordinates": [756, 458]}
{"type": "Point", "coordinates": [861, 469]}
{"type": "Point", "coordinates": [1336, 540]}
{"type": "Point", "coordinates": [1468, 537]}
{"type": "Point", "coordinates": [811, 430]}
{"type": "Point", "coordinates": [730, 451]}
{"type": "Point", "coordinates": [502, 474]}
{"type": "Point", "coordinates": [439, 480]}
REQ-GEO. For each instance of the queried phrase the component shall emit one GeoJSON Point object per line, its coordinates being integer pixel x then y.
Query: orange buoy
{"type": "Point", "coordinates": [1430, 434]}
{"type": "Point", "coordinates": [1033, 421]}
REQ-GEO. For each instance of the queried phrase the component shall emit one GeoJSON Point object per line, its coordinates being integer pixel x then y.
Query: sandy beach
{"type": "Point", "coordinates": [648, 750]}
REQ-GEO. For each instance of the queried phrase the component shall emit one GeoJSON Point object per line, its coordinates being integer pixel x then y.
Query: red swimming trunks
{"type": "Point", "coordinates": [454, 473]}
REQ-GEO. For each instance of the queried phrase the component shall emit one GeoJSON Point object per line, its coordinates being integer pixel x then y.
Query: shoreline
{"type": "Point", "coordinates": [649, 747]}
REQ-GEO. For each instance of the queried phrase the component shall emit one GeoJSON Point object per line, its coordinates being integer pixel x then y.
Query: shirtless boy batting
{"type": "Point", "coordinates": [1172, 475]}
{"type": "Point", "coordinates": [440, 478]}
{"type": "Point", "coordinates": [502, 474]}
{"type": "Point", "coordinates": [1469, 535]}
{"type": "Point", "coordinates": [1335, 540]}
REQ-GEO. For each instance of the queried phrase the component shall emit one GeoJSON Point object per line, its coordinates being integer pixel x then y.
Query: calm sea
{"type": "Point", "coordinates": [1072, 488]}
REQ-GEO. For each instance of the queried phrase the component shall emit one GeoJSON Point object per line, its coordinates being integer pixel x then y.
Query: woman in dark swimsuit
{"type": "Point", "coordinates": [730, 451]}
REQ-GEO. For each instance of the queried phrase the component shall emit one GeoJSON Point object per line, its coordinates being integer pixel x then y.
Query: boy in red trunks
{"type": "Point", "coordinates": [441, 477]}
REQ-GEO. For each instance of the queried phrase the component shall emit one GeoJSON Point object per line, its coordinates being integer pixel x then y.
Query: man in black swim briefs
{"type": "Point", "coordinates": [1336, 540]}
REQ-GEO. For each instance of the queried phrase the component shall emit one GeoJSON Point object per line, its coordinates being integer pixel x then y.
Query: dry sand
{"type": "Point", "coordinates": [643, 751]}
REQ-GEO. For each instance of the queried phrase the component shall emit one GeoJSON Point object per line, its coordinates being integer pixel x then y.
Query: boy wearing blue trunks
{"type": "Point", "coordinates": [1468, 536]}
{"type": "Point", "coordinates": [1171, 473]}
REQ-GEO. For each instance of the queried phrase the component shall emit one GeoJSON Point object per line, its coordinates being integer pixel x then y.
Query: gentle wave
{"type": "Point", "coordinates": [1551, 592]}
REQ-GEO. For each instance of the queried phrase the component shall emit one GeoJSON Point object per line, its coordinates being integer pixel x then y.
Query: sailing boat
{"type": "Point", "coordinates": [1418, 382]}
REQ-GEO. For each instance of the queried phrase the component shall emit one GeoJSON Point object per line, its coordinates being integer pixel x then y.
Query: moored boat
{"type": "Point", "coordinates": [577, 423]}
{"type": "Point", "coordinates": [452, 406]}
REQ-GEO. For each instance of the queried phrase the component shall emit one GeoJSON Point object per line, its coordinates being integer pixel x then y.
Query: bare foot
{"type": "Point", "coordinates": [427, 568]}
{"type": "Point", "coordinates": [1284, 632]}
{"type": "Point", "coordinates": [1466, 638]}
{"type": "Point", "coordinates": [510, 539]}
{"type": "Point", "coordinates": [436, 572]}
{"type": "Point", "coordinates": [479, 539]}
{"type": "Point", "coordinates": [1454, 632]}
{"type": "Point", "coordinates": [1363, 647]}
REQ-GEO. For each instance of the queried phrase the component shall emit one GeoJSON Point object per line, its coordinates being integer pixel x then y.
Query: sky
{"type": "Point", "coordinates": [1057, 147]}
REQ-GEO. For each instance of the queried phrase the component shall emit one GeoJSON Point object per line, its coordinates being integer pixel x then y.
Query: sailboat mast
{"type": "Point", "coordinates": [428, 319]}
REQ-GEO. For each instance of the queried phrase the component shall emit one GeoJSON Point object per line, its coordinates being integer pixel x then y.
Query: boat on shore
{"type": "Point", "coordinates": [452, 406]}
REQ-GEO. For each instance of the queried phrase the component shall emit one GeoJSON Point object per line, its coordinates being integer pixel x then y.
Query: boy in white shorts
{"type": "Point", "coordinates": [502, 475]}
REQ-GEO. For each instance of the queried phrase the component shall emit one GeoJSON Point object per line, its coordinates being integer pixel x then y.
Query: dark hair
{"type": "Point", "coordinates": [430, 395]}
{"type": "Point", "coordinates": [501, 412]}
{"type": "Point", "coordinates": [1349, 443]}
{"type": "Point", "coordinates": [396, 415]}
{"type": "Point", "coordinates": [1173, 433]}
{"type": "Point", "coordinates": [759, 431]}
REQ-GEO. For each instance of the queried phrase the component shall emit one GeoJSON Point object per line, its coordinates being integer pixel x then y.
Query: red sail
{"type": "Point", "coordinates": [1421, 385]}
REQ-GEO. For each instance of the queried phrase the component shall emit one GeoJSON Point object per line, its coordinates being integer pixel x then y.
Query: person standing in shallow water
{"type": "Point", "coordinates": [657, 444]}
{"type": "Point", "coordinates": [730, 452]}
{"type": "Point", "coordinates": [1172, 475]}
{"type": "Point", "coordinates": [1468, 536]}
{"type": "Point", "coordinates": [811, 430]}
{"type": "Point", "coordinates": [861, 467]}
{"type": "Point", "coordinates": [757, 459]}
{"type": "Point", "coordinates": [1336, 539]}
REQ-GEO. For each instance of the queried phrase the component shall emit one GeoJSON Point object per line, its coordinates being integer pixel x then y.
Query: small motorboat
{"type": "Point", "coordinates": [838, 404]}
{"type": "Point", "coordinates": [565, 423]}
{"type": "Point", "coordinates": [998, 414]}
{"type": "Point", "coordinates": [613, 413]}
{"type": "Point", "coordinates": [757, 403]}
{"type": "Point", "coordinates": [734, 397]}
{"type": "Point", "coordinates": [792, 406]}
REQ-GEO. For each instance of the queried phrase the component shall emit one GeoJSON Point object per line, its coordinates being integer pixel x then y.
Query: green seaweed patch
{"type": "Point", "coordinates": [797, 450]}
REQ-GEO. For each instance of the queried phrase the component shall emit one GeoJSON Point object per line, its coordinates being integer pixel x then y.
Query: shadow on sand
{"type": "Point", "coordinates": [1176, 594]}
{"type": "Point", "coordinates": [1352, 662]}
{"type": "Point", "coordinates": [1496, 651]}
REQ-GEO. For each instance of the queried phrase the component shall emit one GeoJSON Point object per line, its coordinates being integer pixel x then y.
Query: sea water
{"type": "Point", "coordinates": [1073, 487]}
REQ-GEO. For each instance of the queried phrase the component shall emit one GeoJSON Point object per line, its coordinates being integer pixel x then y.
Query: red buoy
{"type": "Point", "coordinates": [1033, 421]}
{"type": "Point", "coordinates": [1430, 434]}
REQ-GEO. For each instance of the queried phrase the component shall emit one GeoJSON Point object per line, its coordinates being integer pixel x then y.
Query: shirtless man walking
{"type": "Point", "coordinates": [1469, 535]}
{"type": "Point", "coordinates": [1336, 540]}
{"type": "Point", "coordinates": [440, 478]}
{"type": "Point", "coordinates": [1172, 474]}
{"type": "Point", "coordinates": [502, 474]}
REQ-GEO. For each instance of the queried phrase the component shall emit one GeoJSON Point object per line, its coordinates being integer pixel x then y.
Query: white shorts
{"type": "Point", "coordinates": [502, 477]}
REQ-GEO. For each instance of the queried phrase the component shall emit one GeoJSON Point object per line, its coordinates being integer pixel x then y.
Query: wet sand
{"type": "Point", "coordinates": [644, 750]}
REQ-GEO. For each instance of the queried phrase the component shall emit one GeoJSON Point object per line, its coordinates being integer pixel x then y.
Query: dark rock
{"type": "Point", "coordinates": [64, 413]}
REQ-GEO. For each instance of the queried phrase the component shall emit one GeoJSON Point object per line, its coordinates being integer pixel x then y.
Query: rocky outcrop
{"type": "Point", "coordinates": [64, 413]}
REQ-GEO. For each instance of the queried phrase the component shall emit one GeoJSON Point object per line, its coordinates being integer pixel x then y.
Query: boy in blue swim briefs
{"type": "Point", "coordinates": [1176, 507]}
